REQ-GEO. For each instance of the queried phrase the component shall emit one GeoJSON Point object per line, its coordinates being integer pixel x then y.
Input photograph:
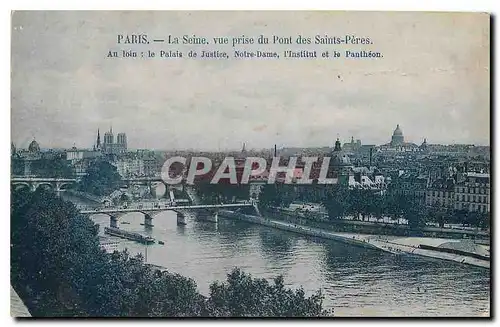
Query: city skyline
{"type": "Point", "coordinates": [252, 164]}
{"type": "Point", "coordinates": [434, 87]}
{"type": "Point", "coordinates": [248, 146]}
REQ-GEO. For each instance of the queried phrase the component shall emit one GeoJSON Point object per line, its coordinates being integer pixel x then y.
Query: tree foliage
{"type": "Point", "coordinates": [101, 178]}
{"type": "Point", "coordinates": [221, 192]}
{"type": "Point", "coordinates": [57, 167]}
{"type": "Point", "coordinates": [59, 270]}
{"type": "Point", "coordinates": [243, 296]}
{"type": "Point", "coordinates": [341, 202]}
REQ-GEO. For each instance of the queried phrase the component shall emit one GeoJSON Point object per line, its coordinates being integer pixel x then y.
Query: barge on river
{"type": "Point", "coordinates": [129, 235]}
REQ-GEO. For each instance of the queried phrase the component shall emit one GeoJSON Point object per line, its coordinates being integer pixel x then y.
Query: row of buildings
{"type": "Point", "coordinates": [428, 173]}
{"type": "Point", "coordinates": [433, 177]}
{"type": "Point", "coordinates": [139, 163]}
{"type": "Point", "coordinates": [468, 191]}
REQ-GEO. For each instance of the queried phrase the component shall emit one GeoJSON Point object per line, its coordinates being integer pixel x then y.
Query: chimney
{"type": "Point", "coordinates": [371, 155]}
{"type": "Point", "coordinates": [275, 151]}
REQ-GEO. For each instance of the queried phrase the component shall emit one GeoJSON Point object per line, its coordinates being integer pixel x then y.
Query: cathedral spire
{"type": "Point", "coordinates": [98, 144]}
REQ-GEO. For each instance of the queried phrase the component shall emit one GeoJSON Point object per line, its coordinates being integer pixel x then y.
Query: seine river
{"type": "Point", "coordinates": [355, 281]}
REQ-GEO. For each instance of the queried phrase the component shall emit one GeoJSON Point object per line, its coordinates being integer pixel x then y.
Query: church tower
{"type": "Point", "coordinates": [98, 143]}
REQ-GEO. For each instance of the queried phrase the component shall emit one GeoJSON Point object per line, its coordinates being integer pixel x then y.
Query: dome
{"type": "Point", "coordinates": [398, 131]}
{"type": "Point", "coordinates": [340, 159]}
{"type": "Point", "coordinates": [34, 147]}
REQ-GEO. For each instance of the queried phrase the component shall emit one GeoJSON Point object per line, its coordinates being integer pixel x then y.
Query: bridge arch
{"type": "Point", "coordinates": [44, 185]}
{"type": "Point", "coordinates": [65, 185]}
{"type": "Point", "coordinates": [19, 185]}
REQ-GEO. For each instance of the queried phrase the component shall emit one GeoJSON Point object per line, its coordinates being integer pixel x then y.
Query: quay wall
{"type": "Point", "coordinates": [294, 228]}
{"type": "Point", "coordinates": [375, 243]}
{"type": "Point", "coordinates": [376, 227]}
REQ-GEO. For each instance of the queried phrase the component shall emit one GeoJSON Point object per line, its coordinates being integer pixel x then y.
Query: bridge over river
{"type": "Point", "coordinates": [355, 281]}
{"type": "Point", "coordinates": [150, 210]}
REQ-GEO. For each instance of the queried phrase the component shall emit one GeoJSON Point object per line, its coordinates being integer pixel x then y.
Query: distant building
{"type": "Point", "coordinates": [398, 144]}
{"type": "Point", "coordinates": [352, 146]}
{"type": "Point", "coordinates": [80, 159]}
{"type": "Point", "coordinates": [129, 167]}
{"type": "Point", "coordinates": [23, 160]}
{"type": "Point", "coordinates": [73, 155]}
{"type": "Point", "coordinates": [109, 146]}
{"type": "Point", "coordinates": [441, 193]}
{"type": "Point", "coordinates": [368, 178]}
{"type": "Point", "coordinates": [397, 137]}
{"type": "Point", "coordinates": [473, 193]}
{"type": "Point", "coordinates": [108, 244]}
{"type": "Point", "coordinates": [413, 185]}
{"type": "Point", "coordinates": [340, 167]}
{"type": "Point", "coordinates": [32, 161]}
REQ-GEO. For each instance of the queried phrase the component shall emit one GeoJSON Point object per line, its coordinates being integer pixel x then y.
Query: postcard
{"type": "Point", "coordinates": [250, 164]}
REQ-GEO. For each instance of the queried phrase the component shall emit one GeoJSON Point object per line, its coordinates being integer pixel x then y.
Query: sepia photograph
{"type": "Point", "coordinates": [250, 164]}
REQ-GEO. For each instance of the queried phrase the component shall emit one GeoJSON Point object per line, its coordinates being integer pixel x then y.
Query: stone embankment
{"type": "Point", "coordinates": [392, 244]}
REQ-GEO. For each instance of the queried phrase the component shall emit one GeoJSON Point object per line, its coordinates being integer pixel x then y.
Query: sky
{"type": "Point", "coordinates": [433, 80]}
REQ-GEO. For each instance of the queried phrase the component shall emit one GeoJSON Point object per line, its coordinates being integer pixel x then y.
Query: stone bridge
{"type": "Point", "coordinates": [149, 211]}
{"type": "Point", "coordinates": [56, 184]}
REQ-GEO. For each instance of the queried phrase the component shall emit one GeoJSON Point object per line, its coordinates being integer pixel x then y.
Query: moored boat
{"type": "Point", "coordinates": [128, 235]}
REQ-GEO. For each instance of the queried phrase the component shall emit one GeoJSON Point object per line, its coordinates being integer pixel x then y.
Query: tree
{"type": "Point", "coordinates": [336, 202]}
{"type": "Point", "coordinates": [244, 296]}
{"type": "Point", "coordinates": [412, 212]}
{"type": "Point", "coordinates": [269, 196]}
{"type": "Point", "coordinates": [57, 167]}
{"type": "Point", "coordinates": [59, 270]}
{"type": "Point", "coordinates": [102, 178]}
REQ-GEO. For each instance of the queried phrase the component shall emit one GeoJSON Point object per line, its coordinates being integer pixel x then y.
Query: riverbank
{"type": "Point", "coordinates": [383, 226]}
{"type": "Point", "coordinates": [86, 196]}
{"type": "Point", "coordinates": [392, 244]}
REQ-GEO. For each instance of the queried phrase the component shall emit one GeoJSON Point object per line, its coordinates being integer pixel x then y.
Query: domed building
{"type": "Point", "coordinates": [340, 165]}
{"type": "Point", "coordinates": [25, 159]}
{"type": "Point", "coordinates": [339, 158]}
{"type": "Point", "coordinates": [34, 147]}
{"type": "Point", "coordinates": [398, 143]}
{"type": "Point", "coordinates": [397, 137]}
